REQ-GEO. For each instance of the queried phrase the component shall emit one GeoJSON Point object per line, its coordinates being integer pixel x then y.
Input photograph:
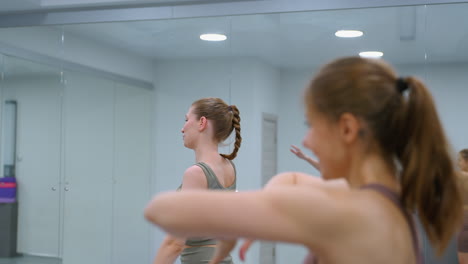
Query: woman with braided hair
{"type": "Point", "coordinates": [377, 132]}
{"type": "Point", "coordinates": [208, 122]}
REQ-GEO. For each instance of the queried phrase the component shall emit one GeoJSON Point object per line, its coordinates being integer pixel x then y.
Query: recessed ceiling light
{"type": "Point", "coordinates": [213, 37]}
{"type": "Point", "coordinates": [371, 54]}
{"type": "Point", "coordinates": [348, 33]}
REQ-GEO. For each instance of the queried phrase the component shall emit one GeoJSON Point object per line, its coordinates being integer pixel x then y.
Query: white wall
{"type": "Point", "coordinates": [447, 82]}
{"type": "Point", "coordinates": [292, 122]}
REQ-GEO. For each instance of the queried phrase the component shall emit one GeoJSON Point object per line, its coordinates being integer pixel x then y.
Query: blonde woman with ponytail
{"type": "Point", "coordinates": [208, 122]}
{"type": "Point", "coordinates": [378, 132]}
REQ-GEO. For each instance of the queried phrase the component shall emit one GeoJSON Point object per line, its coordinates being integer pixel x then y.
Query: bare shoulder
{"type": "Point", "coordinates": [193, 170]}
{"type": "Point", "coordinates": [328, 213]}
{"type": "Point", "coordinates": [194, 178]}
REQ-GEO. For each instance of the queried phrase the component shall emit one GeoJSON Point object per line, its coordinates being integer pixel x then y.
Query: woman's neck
{"type": "Point", "coordinates": [373, 169]}
{"type": "Point", "coordinates": [206, 153]}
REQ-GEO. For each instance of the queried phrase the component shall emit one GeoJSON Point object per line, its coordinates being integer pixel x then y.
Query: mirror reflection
{"type": "Point", "coordinates": [99, 108]}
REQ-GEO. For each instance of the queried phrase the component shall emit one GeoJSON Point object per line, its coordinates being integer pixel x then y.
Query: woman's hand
{"type": "Point", "coordinates": [169, 250]}
{"type": "Point", "coordinates": [243, 249]}
{"type": "Point", "coordinates": [223, 248]}
{"type": "Point", "coordinates": [298, 152]}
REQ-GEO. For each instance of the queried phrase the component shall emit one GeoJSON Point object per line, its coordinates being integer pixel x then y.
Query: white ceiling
{"type": "Point", "coordinates": [406, 35]}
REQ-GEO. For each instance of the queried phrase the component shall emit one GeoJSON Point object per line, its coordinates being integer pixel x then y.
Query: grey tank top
{"type": "Point", "coordinates": [213, 184]}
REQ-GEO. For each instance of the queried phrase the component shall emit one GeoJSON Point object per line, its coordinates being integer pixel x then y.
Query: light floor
{"type": "Point", "coordinates": [30, 260]}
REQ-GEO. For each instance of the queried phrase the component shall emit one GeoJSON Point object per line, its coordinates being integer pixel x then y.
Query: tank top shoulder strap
{"type": "Point", "coordinates": [233, 166]}
{"type": "Point", "coordinates": [212, 180]}
{"type": "Point", "coordinates": [395, 199]}
{"type": "Point", "coordinates": [209, 173]}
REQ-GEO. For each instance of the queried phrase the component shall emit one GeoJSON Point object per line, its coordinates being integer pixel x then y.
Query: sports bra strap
{"type": "Point", "coordinates": [395, 199]}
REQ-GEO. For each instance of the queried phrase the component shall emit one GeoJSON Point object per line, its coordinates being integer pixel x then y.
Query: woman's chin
{"type": "Point", "coordinates": [187, 146]}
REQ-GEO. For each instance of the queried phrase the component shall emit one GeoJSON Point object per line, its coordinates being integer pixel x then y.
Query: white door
{"type": "Point", "coordinates": [269, 166]}
{"type": "Point", "coordinates": [88, 168]}
{"type": "Point", "coordinates": [132, 174]}
{"type": "Point", "coordinates": [38, 159]}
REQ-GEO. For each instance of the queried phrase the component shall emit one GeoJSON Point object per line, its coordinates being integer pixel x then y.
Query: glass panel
{"type": "Point", "coordinates": [32, 41]}
{"type": "Point", "coordinates": [132, 174]}
{"type": "Point", "coordinates": [446, 67]}
{"type": "Point", "coordinates": [445, 74]}
{"type": "Point", "coordinates": [36, 90]}
{"type": "Point", "coordinates": [108, 134]}
{"type": "Point", "coordinates": [9, 137]}
{"type": "Point", "coordinates": [102, 128]}
{"type": "Point", "coordinates": [88, 166]}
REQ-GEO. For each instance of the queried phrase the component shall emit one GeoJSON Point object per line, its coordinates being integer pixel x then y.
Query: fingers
{"type": "Point", "coordinates": [245, 246]}
{"type": "Point", "coordinates": [298, 152]}
{"type": "Point", "coordinates": [295, 150]}
{"type": "Point", "coordinates": [223, 248]}
{"type": "Point", "coordinates": [215, 260]}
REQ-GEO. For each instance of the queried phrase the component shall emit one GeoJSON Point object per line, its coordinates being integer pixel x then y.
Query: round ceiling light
{"type": "Point", "coordinates": [371, 54]}
{"type": "Point", "coordinates": [348, 33]}
{"type": "Point", "coordinates": [213, 37]}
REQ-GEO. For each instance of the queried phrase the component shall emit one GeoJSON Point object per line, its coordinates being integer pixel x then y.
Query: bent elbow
{"type": "Point", "coordinates": [158, 211]}
{"type": "Point", "coordinates": [154, 211]}
{"type": "Point", "coordinates": [149, 212]}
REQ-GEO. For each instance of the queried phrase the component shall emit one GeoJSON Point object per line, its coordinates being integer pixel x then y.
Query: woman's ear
{"type": "Point", "coordinates": [203, 123]}
{"type": "Point", "coordinates": [349, 127]}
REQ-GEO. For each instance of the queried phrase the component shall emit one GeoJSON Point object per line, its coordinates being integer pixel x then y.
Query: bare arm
{"type": "Point", "coordinates": [296, 214]}
{"type": "Point", "coordinates": [171, 247]}
{"type": "Point", "coordinates": [291, 179]}
{"type": "Point", "coordinates": [298, 178]}
{"type": "Point", "coordinates": [169, 250]}
{"type": "Point", "coordinates": [298, 152]}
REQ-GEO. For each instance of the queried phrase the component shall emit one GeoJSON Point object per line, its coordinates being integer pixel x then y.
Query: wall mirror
{"type": "Point", "coordinates": [100, 107]}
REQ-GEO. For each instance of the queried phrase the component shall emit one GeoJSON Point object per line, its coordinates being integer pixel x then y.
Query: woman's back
{"type": "Point", "coordinates": [379, 233]}
{"type": "Point", "coordinates": [224, 171]}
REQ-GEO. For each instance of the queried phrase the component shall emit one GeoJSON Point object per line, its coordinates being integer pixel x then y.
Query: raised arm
{"type": "Point", "coordinates": [298, 152]}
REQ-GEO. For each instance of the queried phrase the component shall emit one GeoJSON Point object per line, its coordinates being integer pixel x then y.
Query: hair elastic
{"type": "Point", "coordinates": [401, 85]}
